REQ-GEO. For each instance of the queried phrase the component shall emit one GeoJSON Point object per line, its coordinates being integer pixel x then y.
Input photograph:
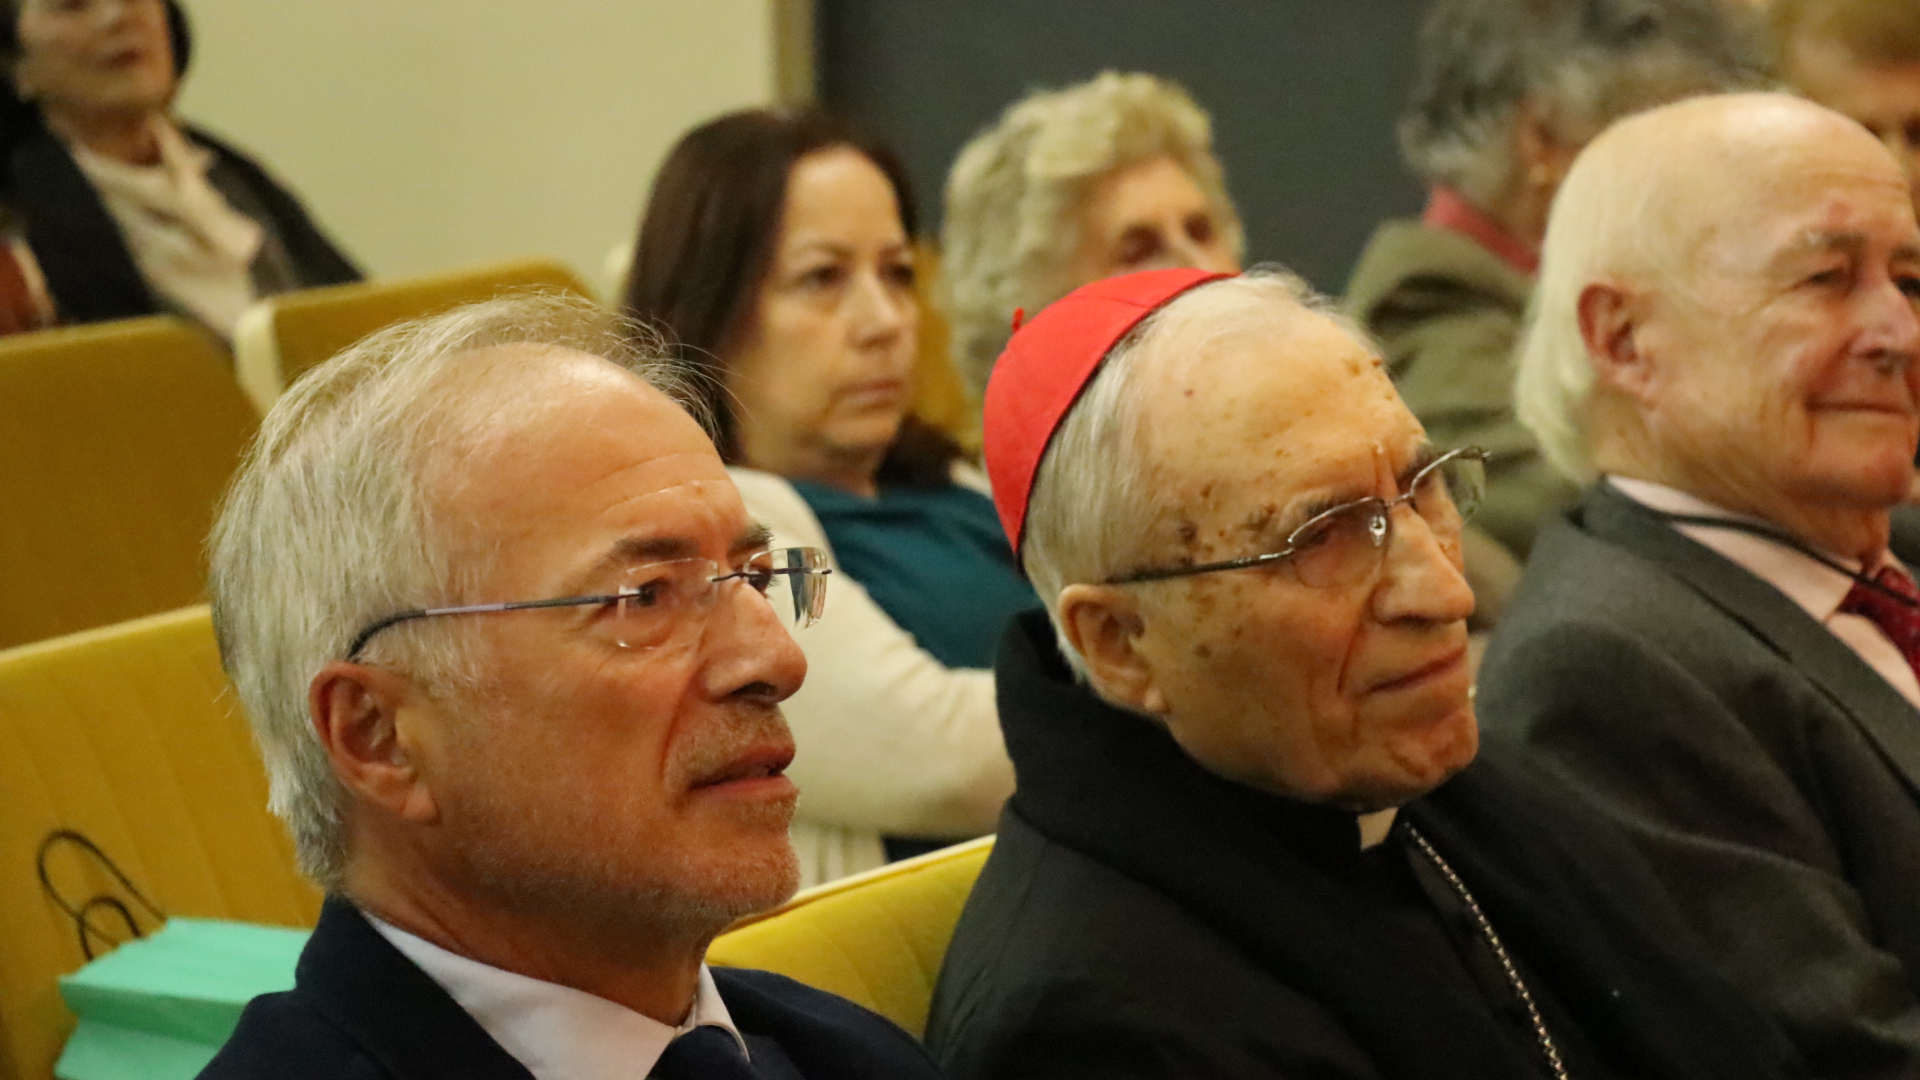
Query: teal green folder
{"type": "Point", "coordinates": [158, 1008]}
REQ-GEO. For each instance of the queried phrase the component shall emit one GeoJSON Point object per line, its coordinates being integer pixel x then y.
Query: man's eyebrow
{"type": "Point", "coordinates": [1300, 510]}
{"type": "Point", "coordinates": [753, 538]}
{"type": "Point", "coordinates": [1271, 522]}
{"type": "Point", "coordinates": [1818, 241]}
{"type": "Point", "coordinates": [635, 551]}
{"type": "Point", "coordinates": [1423, 457]}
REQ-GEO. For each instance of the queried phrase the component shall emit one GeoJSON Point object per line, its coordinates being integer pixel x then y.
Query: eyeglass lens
{"type": "Point", "coordinates": [659, 599]}
{"type": "Point", "coordinates": [1346, 544]}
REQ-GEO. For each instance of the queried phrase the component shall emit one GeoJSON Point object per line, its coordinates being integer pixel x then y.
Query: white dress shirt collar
{"type": "Point", "coordinates": [557, 1032]}
{"type": "Point", "coordinates": [1375, 826]}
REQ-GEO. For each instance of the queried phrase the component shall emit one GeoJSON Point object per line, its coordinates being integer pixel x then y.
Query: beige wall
{"type": "Point", "coordinates": [430, 134]}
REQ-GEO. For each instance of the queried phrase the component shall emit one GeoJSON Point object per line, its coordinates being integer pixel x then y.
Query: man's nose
{"type": "Point", "coordinates": [749, 651]}
{"type": "Point", "coordinates": [1891, 334]}
{"type": "Point", "coordinates": [1422, 578]}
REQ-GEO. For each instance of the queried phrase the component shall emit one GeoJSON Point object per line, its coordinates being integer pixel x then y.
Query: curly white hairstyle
{"type": "Point", "coordinates": [1015, 192]}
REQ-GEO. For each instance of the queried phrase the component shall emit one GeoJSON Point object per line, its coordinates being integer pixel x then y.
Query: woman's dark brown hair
{"type": "Point", "coordinates": [707, 243]}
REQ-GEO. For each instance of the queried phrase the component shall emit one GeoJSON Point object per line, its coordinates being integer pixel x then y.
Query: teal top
{"type": "Point", "coordinates": [934, 559]}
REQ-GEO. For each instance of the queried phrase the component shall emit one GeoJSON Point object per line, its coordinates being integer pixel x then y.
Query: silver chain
{"type": "Point", "coordinates": [1499, 952]}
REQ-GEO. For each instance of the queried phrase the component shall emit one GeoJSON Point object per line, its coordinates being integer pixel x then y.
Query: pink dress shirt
{"type": "Point", "coordinates": [1816, 588]}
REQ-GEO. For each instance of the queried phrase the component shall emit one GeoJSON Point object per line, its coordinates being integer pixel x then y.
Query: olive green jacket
{"type": "Point", "coordinates": [1447, 312]}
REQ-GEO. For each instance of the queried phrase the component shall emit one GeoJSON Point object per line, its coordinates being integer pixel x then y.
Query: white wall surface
{"type": "Point", "coordinates": [432, 134]}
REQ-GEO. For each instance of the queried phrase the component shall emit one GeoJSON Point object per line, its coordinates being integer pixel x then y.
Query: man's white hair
{"type": "Point", "coordinates": [1089, 515]}
{"type": "Point", "coordinates": [1016, 192]}
{"type": "Point", "coordinates": [328, 527]}
{"type": "Point", "coordinates": [1633, 210]}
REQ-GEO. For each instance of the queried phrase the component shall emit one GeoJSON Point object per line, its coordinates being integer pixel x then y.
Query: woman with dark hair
{"type": "Point", "coordinates": [114, 208]}
{"type": "Point", "coordinates": [777, 251]}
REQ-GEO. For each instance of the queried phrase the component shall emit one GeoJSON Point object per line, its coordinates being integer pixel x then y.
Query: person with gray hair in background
{"type": "Point", "coordinates": [1505, 94]}
{"type": "Point", "coordinates": [1069, 186]}
{"type": "Point", "coordinates": [504, 632]}
{"type": "Point", "coordinates": [1718, 645]}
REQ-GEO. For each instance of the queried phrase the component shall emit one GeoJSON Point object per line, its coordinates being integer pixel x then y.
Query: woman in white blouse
{"type": "Point", "coordinates": [115, 208]}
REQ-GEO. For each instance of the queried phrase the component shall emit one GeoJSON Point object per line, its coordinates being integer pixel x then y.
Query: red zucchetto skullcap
{"type": "Point", "coordinates": [1046, 365]}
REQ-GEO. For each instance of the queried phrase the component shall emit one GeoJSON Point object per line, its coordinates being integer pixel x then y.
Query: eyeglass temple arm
{"type": "Point", "coordinates": [353, 651]}
{"type": "Point", "coordinates": [1201, 568]}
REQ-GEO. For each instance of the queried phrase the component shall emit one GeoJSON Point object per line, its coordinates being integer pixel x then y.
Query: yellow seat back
{"type": "Point", "coordinates": [876, 939]}
{"type": "Point", "coordinates": [117, 440]}
{"type": "Point", "coordinates": [129, 735]}
{"type": "Point", "coordinates": [282, 337]}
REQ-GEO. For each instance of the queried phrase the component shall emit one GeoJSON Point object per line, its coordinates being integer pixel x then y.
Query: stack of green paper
{"type": "Point", "coordinates": [159, 1008]}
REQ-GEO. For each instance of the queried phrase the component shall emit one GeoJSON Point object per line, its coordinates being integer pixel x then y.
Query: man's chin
{"type": "Point", "coordinates": [757, 883]}
{"type": "Point", "coordinates": [1414, 771]}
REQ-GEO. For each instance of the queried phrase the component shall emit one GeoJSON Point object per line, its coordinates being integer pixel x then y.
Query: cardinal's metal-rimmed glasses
{"type": "Point", "coordinates": [653, 600]}
{"type": "Point", "coordinates": [1347, 543]}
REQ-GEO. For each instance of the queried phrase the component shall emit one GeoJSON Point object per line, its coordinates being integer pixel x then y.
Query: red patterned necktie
{"type": "Point", "coordinates": [1900, 622]}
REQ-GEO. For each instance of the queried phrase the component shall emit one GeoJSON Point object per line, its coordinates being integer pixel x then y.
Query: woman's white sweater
{"type": "Point", "coordinates": [890, 741]}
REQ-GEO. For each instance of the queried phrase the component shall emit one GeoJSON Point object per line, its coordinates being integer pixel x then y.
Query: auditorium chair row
{"type": "Point", "coordinates": [117, 439]}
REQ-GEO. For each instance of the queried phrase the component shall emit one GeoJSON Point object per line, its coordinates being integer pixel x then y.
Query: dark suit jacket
{"type": "Point", "coordinates": [1770, 775]}
{"type": "Point", "coordinates": [361, 1009]}
{"type": "Point", "coordinates": [1141, 917]}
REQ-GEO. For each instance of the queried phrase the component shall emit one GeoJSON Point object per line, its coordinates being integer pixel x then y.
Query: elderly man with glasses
{"type": "Point", "coordinates": [1249, 837]}
{"type": "Point", "coordinates": [513, 654]}
{"type": "Point", "coordinates": [1719, 643]}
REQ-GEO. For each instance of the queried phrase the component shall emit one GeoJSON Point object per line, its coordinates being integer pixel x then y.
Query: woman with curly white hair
{"type": "Point", "coordinates": [1109, 176]}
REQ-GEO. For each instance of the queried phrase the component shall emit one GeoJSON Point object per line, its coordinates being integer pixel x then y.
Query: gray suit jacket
{"type": "Point", "coordinates": [1770, 775]}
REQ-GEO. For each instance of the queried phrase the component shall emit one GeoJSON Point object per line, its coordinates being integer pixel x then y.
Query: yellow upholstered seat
{"type": "Point", "coordinates": [116, 441]}
{"type": "Point", "coordinates": [282, 337]}
{"type": "Point", "coordinates": [876, 939]}
{"type": "Point", "coordinates": [129, 735]}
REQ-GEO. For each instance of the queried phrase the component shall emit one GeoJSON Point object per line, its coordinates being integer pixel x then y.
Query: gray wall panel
{"type": "Point", "coordinates": [1304, 94]}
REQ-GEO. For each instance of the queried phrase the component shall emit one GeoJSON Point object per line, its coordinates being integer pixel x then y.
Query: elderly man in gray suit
{"type": "Point", "coordinates": [1718, 645]}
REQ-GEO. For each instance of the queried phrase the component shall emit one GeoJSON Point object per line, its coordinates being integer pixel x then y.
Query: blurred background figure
{"type": "Point", "coordinates": [1860, 58]}
{"type": "Point", "coordinates": [1506, 93]}
{"type": "Point", "coordinates": [776, 249]}
{"type": "Point", "coordinates": [117, 208]}
{"type": "Point", "coordinates": [1113, 175]}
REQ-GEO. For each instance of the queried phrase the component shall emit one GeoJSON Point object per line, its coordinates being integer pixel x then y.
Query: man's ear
{"type": "Point", "coordinates": [1103, 623]}
{"type": "Point", "coordinates": [364, 717]}
{"type": "Point", "coordinates": [1610, 324]}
